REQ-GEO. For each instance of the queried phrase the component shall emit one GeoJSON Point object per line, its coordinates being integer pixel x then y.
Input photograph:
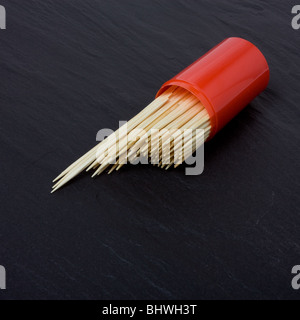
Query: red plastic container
{"type": "Point", "coordinates": [225, 79]}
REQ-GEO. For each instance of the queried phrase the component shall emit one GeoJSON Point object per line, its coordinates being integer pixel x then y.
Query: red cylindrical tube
{"type": "Point", "coordinates": [225, 79]}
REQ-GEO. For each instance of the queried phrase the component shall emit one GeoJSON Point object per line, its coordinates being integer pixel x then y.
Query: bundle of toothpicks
{"type": "Point", "coordinates": [158, 133]}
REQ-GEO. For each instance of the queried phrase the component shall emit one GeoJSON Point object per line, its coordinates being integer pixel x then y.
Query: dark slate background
{"type": "Point", "coordinates": [70, 68]}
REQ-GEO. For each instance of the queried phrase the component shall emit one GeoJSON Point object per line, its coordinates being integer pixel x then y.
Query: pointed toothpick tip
{"type": "Point", "coordinates": [58, 177]}
{"type": "Point", "coordinates": [94, 174]}
{"type": "Point", "coordinates": [56, 184]}
{"type": "Point", "coordinates": [54, 190]}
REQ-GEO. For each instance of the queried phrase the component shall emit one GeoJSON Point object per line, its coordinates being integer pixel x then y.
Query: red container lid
{"type": "Point", "coordinates": [225, 79]}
